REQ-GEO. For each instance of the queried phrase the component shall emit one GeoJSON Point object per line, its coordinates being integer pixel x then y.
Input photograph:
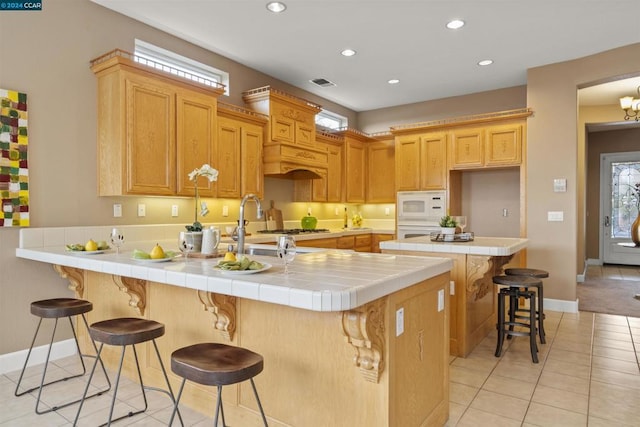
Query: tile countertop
{"type": "Point", "coordinates": [491, 246]}
{"type": "Point", "coordinates": [327, 280]}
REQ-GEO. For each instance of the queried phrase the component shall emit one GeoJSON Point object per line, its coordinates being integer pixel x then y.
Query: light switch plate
{"type": "Point", "coordinates": [117, 210]}
{"type": "Point", "coordinates": [560, 185]}
{"type": "Point", "coordinates": [399, 321]}
{"type": "Point", "coordinates": [555, 216]}
{"type": "Point", "coordinates": [174, 210]}
{"type": "Point", "coordinates": [225, 210]}
{"type": "Point", "coordinates": [142, 209]}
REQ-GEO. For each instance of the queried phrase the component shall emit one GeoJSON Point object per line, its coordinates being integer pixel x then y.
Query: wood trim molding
{"type": "Point", "coordinates": [364, 329]}
{"type": "Point", "coordinates": [75, 276]}
{"type": "Point", "coordinates": [136, 289]}
{"type": "Point", "coordinates": [223, 308]}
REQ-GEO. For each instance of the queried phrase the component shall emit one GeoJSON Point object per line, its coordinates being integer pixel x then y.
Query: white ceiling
{"type": "Point", "coordinates": [399, 39]}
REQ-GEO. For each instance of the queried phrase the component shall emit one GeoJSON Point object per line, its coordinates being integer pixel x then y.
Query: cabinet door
{"type": "Point", "coordinates": [282, 129]}
{"type": "Point", "coordinates": [362, 243]}
{"type": "Point", "coordinates": [381, 183]}
{"type": "Point", "coordinates": [433, 161]}
{"type": "Point", "coordinates": [334, 174]}
{"type": "Point", "coordinates": [228, 158]}
{"type": "Point", "coordinates": [195, 132]}
{"type": "Point", "coordinates": [355, 171]}
{"type": "Point", "coordinates": [467, 149]}
{"type": "Point", "coordinates": [150, 138]}
{"type": "Point", "coordinates": [504, 145]}
{"type": "Point", "coordinates": [407, 152]}
{"type": "Point", "coordinates": [305, 134]}
{"type": "Point", "coordinates": [252, 179]}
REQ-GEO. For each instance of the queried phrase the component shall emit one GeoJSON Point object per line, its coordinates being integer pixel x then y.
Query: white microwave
{"type": "Point", "coordinates": [421, 207]}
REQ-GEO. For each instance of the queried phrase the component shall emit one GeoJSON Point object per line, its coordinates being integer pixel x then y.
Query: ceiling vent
{"type": "Point", "coordinates": [322, 82]}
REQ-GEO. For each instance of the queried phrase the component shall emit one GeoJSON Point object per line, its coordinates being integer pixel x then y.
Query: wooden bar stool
{"type": "Point", "coordinates": [516, 287]}
{"type": "Point", "coordinates": [536, 274]}
{"type": "Point", "coordinates": [123, 332]}
{"type": "Point", "coordinates": [219, 365]}
{"type": "Point", "coordinates": [55, 309]}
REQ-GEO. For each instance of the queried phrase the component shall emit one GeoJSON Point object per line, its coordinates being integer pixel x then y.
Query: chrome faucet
{"type": "Point", "coordinates": [241, 227]}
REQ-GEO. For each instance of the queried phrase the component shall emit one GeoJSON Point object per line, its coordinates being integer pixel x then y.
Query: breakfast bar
{"type": "Point", "coordinates": [473, 299]}
{"type": "Point", "coordinates": [353, 338]}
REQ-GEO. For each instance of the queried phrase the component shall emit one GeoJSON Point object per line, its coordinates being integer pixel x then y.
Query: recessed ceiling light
{"type": "Point", "coordinates": [455, 24]}
{"type": "Point", "coordinates": [485, 62]}
{"type": "Point", "coordinates": [276, 6]}
{"type": "Point", "coordinates": [348, 52]}
{"type": "Point", "coordinates": [393, 81]}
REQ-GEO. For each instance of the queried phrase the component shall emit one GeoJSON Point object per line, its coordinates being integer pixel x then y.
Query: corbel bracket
{"type": "Point", "coordinates": [223, 308]}
{"type": "Point", "coordinates": [136, 289]}
{"type": "Point", "coordinates": [364, 330]}
{"type": "Point", "coordinates": [75, 276]}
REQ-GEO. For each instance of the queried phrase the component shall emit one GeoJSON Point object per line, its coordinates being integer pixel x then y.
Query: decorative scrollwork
{"type": "Point", "coordinates": [364, 330]}
{"type": "Point", "coordinates": [305, 155]}
{"type": "Point", "coordinates": [136, 289]}
{"type": "Point", "coordinates": [75, 276]}
{"type": "Point", "coordinates": [480, 272]}
{"type": "Point", "coordinates": [223, 308]}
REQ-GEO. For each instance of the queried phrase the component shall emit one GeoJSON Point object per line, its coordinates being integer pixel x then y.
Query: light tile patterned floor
{"type": "Point", "coordinates": [617, 272]}
{"type": "Point", "coordinates": [588, 375]}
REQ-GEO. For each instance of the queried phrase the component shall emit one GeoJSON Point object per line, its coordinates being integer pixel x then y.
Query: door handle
{"type": "Point", "coordinates": [607, 222]}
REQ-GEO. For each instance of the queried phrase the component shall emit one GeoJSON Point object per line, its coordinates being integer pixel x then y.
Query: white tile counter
{"type": "Point", "coordinates": [490, 246]}
{"type": "Point", "coordinates": [330, 280]}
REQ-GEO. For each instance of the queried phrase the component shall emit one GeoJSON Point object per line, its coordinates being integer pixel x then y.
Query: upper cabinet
{"type": "Point", "coordinates": [467, 148]}
{"type": "Point", "coordinates": [355, 154]}
{"type": "Point", "coordinates": [153, 129]}
{"type": "Point", "coordinates": [240, 139]}
{"type": "Point", "coordinates": [290, 147]}
{"type": "Point", "coordinates": [487, 146]}
{"type": "Point", "coordinates": [381, 181]}
{"type": "Point", "coordinates": [330, 187]}
{"type": "Point", "coordinates": [420, 160]}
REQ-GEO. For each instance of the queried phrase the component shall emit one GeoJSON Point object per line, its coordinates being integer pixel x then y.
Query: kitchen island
{"type": "Point", "coordinates": [348, 338]}
{"type": "Point", "coordinates": [473, 297]}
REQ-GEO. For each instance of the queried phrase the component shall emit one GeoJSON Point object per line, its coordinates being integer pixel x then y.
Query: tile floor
{"type": "Point", "coordinates": [616, 272]}
{"type": "Point", "coordinates": [588, 375]}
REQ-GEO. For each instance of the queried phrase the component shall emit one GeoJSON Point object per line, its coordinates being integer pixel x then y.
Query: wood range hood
{"type": "Point", "coordinates": [290, 150]}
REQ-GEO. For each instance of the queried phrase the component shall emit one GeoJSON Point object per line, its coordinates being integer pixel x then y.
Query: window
{"type": "Point", "coordinates": [333, 121]}
{"type": "Point", "coordinates": [179, 65]}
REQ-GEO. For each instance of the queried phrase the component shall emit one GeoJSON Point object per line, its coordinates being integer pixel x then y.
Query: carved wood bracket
{"type": "Point", "coordinates": [480, 272]}
{"type": "Point", "coordinates": [75, 277]}
{"type": "Point", "coordinates": [136, 289]}
{"type": "Point", "coordinates": [223, 308]}
{"type": "Point", "coordinates": [364, 330]}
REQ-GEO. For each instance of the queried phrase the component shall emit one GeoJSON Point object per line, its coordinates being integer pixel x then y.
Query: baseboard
{"type": "Point", "coordinates": [592, 261]}
{"type": "Point", "coordinates": [15, 361]}
{"type": "Point", "coordinates": [561, 305]}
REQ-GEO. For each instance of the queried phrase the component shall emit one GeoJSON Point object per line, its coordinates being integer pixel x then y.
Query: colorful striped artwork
{"type": "Point", "coordinates": [14, 170]}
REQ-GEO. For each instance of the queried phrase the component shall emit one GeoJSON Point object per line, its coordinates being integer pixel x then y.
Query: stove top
{"type": "Point", "coordinates": [294, 231]}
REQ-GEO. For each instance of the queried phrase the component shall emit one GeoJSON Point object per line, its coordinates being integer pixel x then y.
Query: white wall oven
{"type": "Point", "coordinates": [419, 212]}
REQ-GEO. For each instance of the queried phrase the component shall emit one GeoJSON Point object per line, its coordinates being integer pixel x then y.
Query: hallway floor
{"type": "Point", "coordinates": [588, 375]}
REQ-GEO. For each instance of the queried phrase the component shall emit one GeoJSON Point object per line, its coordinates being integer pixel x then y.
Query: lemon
{"type": "Point", "coordinates": [229, 256]}
{"type": "Point", "coordinates": [91, 246]}
{"type": "Point", "coordinates": [157, 252]}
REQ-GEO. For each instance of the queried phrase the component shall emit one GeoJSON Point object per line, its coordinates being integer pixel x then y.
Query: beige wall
{"type": "Point", "coordinates": [553, 142]}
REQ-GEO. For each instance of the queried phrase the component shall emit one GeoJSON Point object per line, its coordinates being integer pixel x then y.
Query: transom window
{"type": "Point", "coordinates": [331, 120]}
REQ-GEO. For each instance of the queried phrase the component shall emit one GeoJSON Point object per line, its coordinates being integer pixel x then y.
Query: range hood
{"type": "Point", "coordinates": [289, 150]}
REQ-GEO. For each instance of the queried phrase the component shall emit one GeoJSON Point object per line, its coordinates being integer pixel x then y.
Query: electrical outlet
{"type": "Point", "coordinates": [505, 212]}
{"type": "Point", "coordinates": [337, 211]}
{"type": "Point", "coordinates": [117, 210]}
{"type": "Point", "coordinates": [225, 210]}
{"type": "Point", "coordinates": [452, 287]}
{"type": "Point", "coordinates": [440, 299]}
{"type": "Point", "coordinates": [399, 321]}
{"type": "Point", "coordinates": [386, 211]}
{"type": "Point", "coordinates": [142, 209]}
{"type": "Point", "coordinates": [174, 210]}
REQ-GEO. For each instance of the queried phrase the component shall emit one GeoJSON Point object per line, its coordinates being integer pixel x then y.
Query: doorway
{"type": "Point", "coordinates": [619, 201]}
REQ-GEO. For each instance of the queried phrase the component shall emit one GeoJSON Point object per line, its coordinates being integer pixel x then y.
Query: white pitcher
{"type": "Point", "coordinates": [210, 240]}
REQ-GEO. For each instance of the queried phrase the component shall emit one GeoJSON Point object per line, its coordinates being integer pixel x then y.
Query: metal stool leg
{"type": "Point", "coordinates": [532, 327]}
{"type": "Point", "coordinates": [177, 402]}
{"type": "Point", "coordinates": [255, 391]}
{"type": "Point", "coordinates": [500, 323]}
{"type": "Point", "coordinates": [543, 339]}
{"type": "Point", "coordinates": [218, 406]}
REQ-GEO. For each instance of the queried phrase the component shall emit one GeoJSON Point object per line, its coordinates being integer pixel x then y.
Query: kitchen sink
{"type": "Point", "coordinates": [261, 251]}
{"type": "Point", "coordinates": [270, 250]}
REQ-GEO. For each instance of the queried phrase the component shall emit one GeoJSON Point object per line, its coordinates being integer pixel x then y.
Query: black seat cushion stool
{"type": "Point", "coordinates": [128, 331]}
{"type": "Point", "coordinates": [516, 288]}
{"type": "Point", "coordinates": [217, 365]}
{"type": "Point", "coordinates": [537, 274]}
{"type": "Point", "coordinates": [57, 308]}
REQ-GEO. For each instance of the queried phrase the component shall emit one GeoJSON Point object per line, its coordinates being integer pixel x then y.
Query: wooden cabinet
{"type": "Point", "coordinates": [240, 138]}
{"type": "Point", "coordinates": [355, 165]}
{"type": "Point", "coordinates": [153, 129]}
{"type": "Point", "coordinates": [504, 145]}
{"type": "Point", "coordinates": [330, 187]}
{"type": "Point", "coordinates": [345, 242]}
{"type": "Point", "coordinates": [377, 238]}
{"type": "Point", "coordinates": [362, 242]}
{"type": "Point", "coordinates": [467, 148]}
{"type": "Point", "coordinates": [421, 161]}
{"type": "Point", "coordinates": [380, 184]}
{"type": "Point", "coordinates": [290, 146]}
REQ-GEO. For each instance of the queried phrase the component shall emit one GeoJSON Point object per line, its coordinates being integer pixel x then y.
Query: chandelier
{"type": "Point", "coordinates": [631, 106]}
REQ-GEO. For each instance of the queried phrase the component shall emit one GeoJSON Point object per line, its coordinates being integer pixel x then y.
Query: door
{"type": "Point", "coordinates": [619, 173]}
